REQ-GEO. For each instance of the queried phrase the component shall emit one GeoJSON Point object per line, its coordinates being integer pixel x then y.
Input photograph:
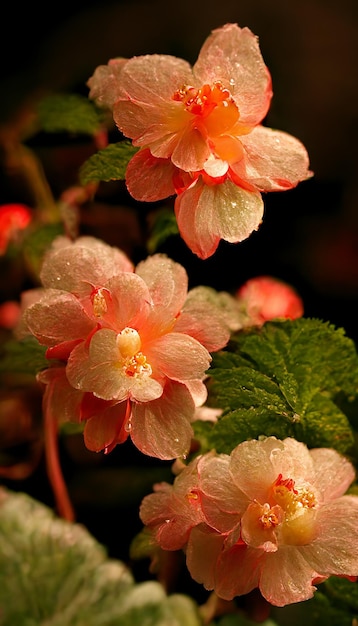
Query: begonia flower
{"type": "Point", "coordinates": [200, 135]}
{"type": "Point", "coordinates": [265, 298]}
{"type": "Point", "coordinates": [149, 365]}
{"type": "Point", "coordinates": [135, 345]}
{"type": "Point", "coordinates": [271, 515]}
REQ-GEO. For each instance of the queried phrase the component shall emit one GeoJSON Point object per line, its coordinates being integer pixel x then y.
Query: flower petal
{"type": "Point", "coordinates": [57, 317]}
{"type": "Point", "coordinates": [162, 428]}
{"type": "Point", "coordinates": [166, 280]}
{"type": "Point", "coordinates": [202, 318]}
{"type": "Point", "coordinates": [105, 82]}
{"type": "Point", "coordinates": [335, 550]}
{"type": "Point", "coordinates": [77, 266]}
{"type": "Point", "coordinates": [334, 473]}
{"type": "Point", "coordinates": [274, 160]}
{"type": "Point", "coordinates": [232, 55]}
{"type": "Point", "coordinates": [148, 178]}
{"type": "Point", "coordinates": [208, 213]}
{"type": "Point", "coordinates": [286, 577]}
{"type": "Point", "coordinates": [178, 356]}
{"type": "Point", "coordinates": [107, 428]}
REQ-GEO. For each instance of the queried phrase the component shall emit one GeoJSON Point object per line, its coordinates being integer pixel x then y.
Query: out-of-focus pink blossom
{"type": "Point", "coordinates": [10, 312]}
{"type": "Point", "coordinates": [266, 298]}
{"type": "Point", "coordinates": [14, 218]}
{"type": "Point", "coordinates": [135, 344]}
{"type": "Point", "coordinates": [271, 515]}
{"type": "Point", "coordinates": [200, 135]}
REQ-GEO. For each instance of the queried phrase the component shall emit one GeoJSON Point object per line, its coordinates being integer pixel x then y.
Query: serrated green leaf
{"type": "Point", "coordinates": [163, 225]}
{"type": "Point", "coordinates": [23, 357]}
{"type": "Point", "coordinates": [321, 610]}
{"type": "Point", "coordinates": [54, 572]}
{"type": "Point", "coordinates": [284, 379]}
{"type": "Point", "coordinates": [69, 113]}
{"type": "Point", "coordinates": [107, 164]}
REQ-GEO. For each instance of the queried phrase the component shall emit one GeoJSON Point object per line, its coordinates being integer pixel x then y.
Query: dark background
{"type": "Point", "coordinates": [309, 236]}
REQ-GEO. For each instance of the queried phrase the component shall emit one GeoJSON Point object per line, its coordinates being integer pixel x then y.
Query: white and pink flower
{"type": "Point", "coordinates": [134, 342]}
{"type": "Point", "coordinates": [200, 135]}
{"type": "Point", "coordinates": [271, 515]}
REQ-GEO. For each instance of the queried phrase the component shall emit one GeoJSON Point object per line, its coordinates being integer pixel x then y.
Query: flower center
{"type": "Point", "coordinates": [212, 105]}
{"type": "Point", "coordinates": [99, 302]}
{"type": "Point", "coordinates": [133, 362]}
{"type": "Point", "coordinates": [299, 508]}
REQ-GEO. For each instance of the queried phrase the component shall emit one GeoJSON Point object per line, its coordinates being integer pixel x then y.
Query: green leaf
{"type": "Point", "coordinates": [327, 606]}
{"type": "Point", "coordinates": [23, 357]}
{"type": "Point", "coordinates": [285, 379]}
{"type": "Point", "coordinates": [163, 225]}
{"type": "Point", "coordinates": [69, 113]}
{"type": "Point", "coordinates": [107, 164]}
{"type": "Point", "coordinates": [54, 572]}
{"type": "Point", "coordinates": [37, 243]}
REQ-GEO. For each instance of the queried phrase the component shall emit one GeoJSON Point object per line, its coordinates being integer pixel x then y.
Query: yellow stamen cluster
{"type": "Point", "coordinates": [132, 361]}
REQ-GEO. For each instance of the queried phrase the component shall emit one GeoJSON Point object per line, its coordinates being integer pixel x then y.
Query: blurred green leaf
{"type": "Point", "coordinates": [69, 113]}
{"type": "Point", "coordinates": [107, 164]}
{"type": "Point", "coordinates": [283, 379]}
{"type": "Point", "coordinates": [163, 225]}
{"type": "Point", "coordinates": [54, 572]}
{"type": "Point", "coordinates": [325, 608]}
{"type": "Point", "coordinates": [37, 243]}
{"type": "Point", "coordinates": [23, 357]}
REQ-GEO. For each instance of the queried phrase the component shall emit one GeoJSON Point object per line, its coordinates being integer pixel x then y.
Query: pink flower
{"type": "Point", "coordinates": [200, 135]}
{"type": "Point", "coordinates": [266, 298]}
{"type": "Point", "coordinates": [273, 516]}
{"type": "Point", "coordinates": [135, 345]}
{"type": "Point", "coordinates": [149, 364]}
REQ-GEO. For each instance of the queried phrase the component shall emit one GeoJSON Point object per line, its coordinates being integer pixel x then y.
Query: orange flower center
{"type": "Point", "coordinates": [298, 506]}
{"type": "Point", "coordinates": [132, 361]}
{"type": "Point", "coordinates": [212, 105]}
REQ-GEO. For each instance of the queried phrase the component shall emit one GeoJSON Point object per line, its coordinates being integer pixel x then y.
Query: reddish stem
{"type": "Point", "coordinates": [54, 471]}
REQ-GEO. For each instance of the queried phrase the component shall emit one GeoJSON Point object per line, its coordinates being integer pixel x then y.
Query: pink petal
{"type": "Point", "coordinates": [232, 55]}
{"type": "Point", "coordinates": [167, 282]}
{"type": "Point", "coordinates": [105, 82]}
{"type": "Point", "coordinates": [274, 160]}
{"type": "Point", "coordinates": [57, 317]}
{"type": "Point", "coordinates": [237, 571]}
{"type": "Point", "coordinates": [203, 319]}
{"type": "Point", "coordinates": [106, 429]}
{"type": "Point", "coordinates": [334, 473]}
{"type": "Point", "coordinates": [162, 428]}
{"type": "Point", "coordinates": [131, 301]}
{"type": "Point", "coordinates": [286, 577]}
{"type": "Point", "coordinates": [206, 214]}
{"type": "Point", "coordinates": [148, 83]}
{"type": "Point", "coordinates": [335, 551]}
{"type": "Point", "coordinates": [198, 391]}
{"type": "Point", "coordinates": [154, 77]}
{"type": "Point", "coordinates": [75, 267]}
{"type": "Point", "coordinates": [203, 550]}
{"type": "Point", "coordinates": [251, 467]}
{"type": "Point", "coordinates": [61, 399]}
{"type": "Point", "coordinates": [178, 356]}
{"type": "Point", "coordinates": [149, 179]}
{"type": "Point", "coordinates": [191, 150]}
